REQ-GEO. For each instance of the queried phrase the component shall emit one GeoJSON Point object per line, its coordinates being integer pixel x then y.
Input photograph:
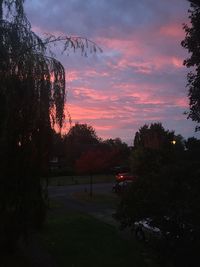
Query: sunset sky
{"type": "Point", "coordinates": [139, 78]}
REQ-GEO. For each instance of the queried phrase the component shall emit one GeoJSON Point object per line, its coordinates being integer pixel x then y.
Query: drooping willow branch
{"type": "Point", "coordinates": [32, 101]}
{"type": "Point", "coordinates": [21, 43]}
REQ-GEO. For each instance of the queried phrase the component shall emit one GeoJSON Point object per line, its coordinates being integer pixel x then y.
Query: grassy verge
{"type": "Point", "coordinates": [109, 199]}
{"type": "Point", "coordinates": [77, 239]}
{"type": "Point", "coordinates": [72, 180]}
{"type": "Point", "coordinates": [16, 259]}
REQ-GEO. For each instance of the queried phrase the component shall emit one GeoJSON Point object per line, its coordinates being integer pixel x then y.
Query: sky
{"type": "Point", "coordinates": [138, 79]}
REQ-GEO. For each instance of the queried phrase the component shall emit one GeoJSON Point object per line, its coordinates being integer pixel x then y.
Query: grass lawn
{"type": "Point", "coordinates": [15, 260]}
{"type": "Point", "coordinates": [110, 199]}
{"type": "Point", "coordinates": [77, 239]}
{"type": "Point", "coordinates": [72, 180]}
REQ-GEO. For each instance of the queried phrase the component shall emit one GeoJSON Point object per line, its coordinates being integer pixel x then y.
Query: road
{"type": "Point", "coordinates": [102, 211]}
{"type": "Point", "coordinates": [65, 195]}
{"type": "Point", "coordinates": [67, 191]}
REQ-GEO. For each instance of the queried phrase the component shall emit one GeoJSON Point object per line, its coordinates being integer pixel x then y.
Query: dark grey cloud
{"type": "Point", "coordinates": [102, 16]}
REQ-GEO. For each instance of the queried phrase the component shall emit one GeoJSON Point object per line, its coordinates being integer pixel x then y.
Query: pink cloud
{"type": "Point", "coordinates": [138, 79]}
{"type": "Point", "coordinates": [121, 44]}
{"type": "Point", "coordinates": [177, 62]}
{"type": "Point", "coordinates": [72, 75]}
{"type": "Point", "coordinates": [172, 31]}
{"type": "Point", "coordinates": [182, 102]}
{"type": "Point", "coordinates": [90, 93]}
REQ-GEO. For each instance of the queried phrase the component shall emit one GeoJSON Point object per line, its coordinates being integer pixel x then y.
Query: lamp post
{"type": "Point", "coordinates": [91, 185]}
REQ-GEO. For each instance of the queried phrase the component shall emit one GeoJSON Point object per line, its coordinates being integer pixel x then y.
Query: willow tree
{"type": "Point", "coordinates": [32, 95]}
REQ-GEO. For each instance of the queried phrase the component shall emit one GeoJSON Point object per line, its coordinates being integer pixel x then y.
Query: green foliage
{"type": "Point", "coordinates": [192, 44]}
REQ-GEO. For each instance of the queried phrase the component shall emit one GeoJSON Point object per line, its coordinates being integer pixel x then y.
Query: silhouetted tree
{"type": "Point", "coordinates": [80, 138]}
{"type": "Point", "coordinates": [121, 153]}
{"type": "Point", "coordinates": [192, 144]}
{"type": "Point", "coordinates": [192, 44]}
{"type": "Point", "coordinates": [32, 94]}
{"type": "Point", "coordinates": [98, 159]}
{"type": "Point", "coordinates": [152, 148]}
{"type": "Point", "coordinates": [166, 191]}
{"type": "Point", "coordinates": [92, 161]}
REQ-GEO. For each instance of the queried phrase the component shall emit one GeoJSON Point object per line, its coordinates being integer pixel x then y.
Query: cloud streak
{"type": "Point", "coordinates": [138, 79]}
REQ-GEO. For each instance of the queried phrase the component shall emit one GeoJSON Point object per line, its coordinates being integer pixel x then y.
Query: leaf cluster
{"type": "Point", "coordinates": [192, 44]}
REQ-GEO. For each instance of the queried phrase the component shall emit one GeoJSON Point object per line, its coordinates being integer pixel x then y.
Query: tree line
{"type": "Point", "coordinates": [74, 152]}
{"type": "Point", "coordinates": [32, 93]}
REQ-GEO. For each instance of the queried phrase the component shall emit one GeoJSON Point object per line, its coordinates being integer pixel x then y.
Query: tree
{"type": "Point", "coordinates": [152, 148]}
{"type": "Point", "coordinates": [80, 138]}
{"type": "Point", "coordinates": [82, 133]}
{"type": "Point", "coordinates": [96, 160]}
{"type": "Point", "coordinates": [121, 154]}
{"type": "Point", "coordinates": [166, 191]}
{"type": "Point", "coordinates": [103, 157]}
{"type": "Point", "coordinates": [192, 44]}
{"type": "Point", "coordinates": [32, 94]}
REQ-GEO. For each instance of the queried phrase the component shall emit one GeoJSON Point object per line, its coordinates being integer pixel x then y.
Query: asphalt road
{"type": "Point", "coordinates": [67, 191]}
{"type": "Point", "coordinates": [64, 194]}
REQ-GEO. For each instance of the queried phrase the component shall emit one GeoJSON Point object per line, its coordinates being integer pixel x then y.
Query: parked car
{"type": "Point", "coordinates": [124, 177]}
{"type": "Point", "coordinates": [121, 186]}
{"type": "Point", "coordinates": [144, 231]}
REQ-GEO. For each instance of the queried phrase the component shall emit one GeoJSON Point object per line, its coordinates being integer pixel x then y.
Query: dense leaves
{"type": "Point", "coordinates": [32, 92]}
{"type": "Point", "coordinates": [85, 152]}
{"type": "Point", "coordinates": [192, 44]}
{"type": "Point", "coordinates": [79, 139]}
{"type": "Point", "coordinates": [152, 147]}
{"type": "Point", "coordinates": [100, 159]}
{"type": "Point", "coordinates": [166, 191]}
